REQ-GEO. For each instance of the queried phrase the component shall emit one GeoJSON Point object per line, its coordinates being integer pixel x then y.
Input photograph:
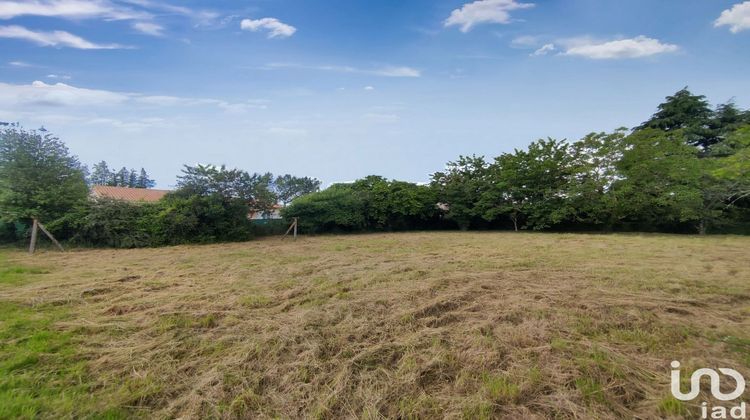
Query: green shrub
{"type": "Point", "coordinates": [112, 223]}
{"type": "Point", "coordinates": [371, 203]}
{"type": "Point", "coordinates": [202, 219]}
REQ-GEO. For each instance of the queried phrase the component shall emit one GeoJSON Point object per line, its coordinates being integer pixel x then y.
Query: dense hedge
{"type": "Point", "coordinates": [173, 220]}
{"type": "Point", "coordinates": [372, 203]}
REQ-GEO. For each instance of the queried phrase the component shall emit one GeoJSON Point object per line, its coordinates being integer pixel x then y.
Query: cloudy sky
{"type": "Point", "coordinates": [339, 89]}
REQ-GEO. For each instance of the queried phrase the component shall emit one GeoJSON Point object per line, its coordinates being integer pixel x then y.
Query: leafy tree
{"type": "Point", "coordinates": [459, 188]}
{"type": "Point", "coordinates": [101, 175]}
{"type": "Point", "coordinates": [594, 172]}
{"type": "Point", "coordinates": [195, 218]}
{"type": "Point", "coordinates": [133, 179]}
{"type": "Point", "coordinates": [687, 112]}
{"type": "Point", "coordinates": [337, 208]}
{"type": "Point", "coordinates": [662, 181]}
{"type": "Point", "coordinates": [122, 177]}
{"type": "Point", "coordinates": [393, 205]}
{"type": "Point", "coordinates": [530, 185]}
{"type": "Point", "coordinates": [728, 118]}
{"type": "Point", "coordinates": [110, 223]}
{"type": "Point", "coordinates": [728, 179]}
{"type": "Point", "coordinates": [206, 180]}
{"type": "Point", "coordinates": [370, 203]}
{"type": "Point", "coordinates": [38, 176]}
{"type": "Point", "coordinates": [288, 187]}
{"type": "Point", "coordinates": [144, 181]}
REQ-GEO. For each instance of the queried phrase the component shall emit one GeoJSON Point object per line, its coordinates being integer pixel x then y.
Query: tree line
{"type": "Point", "coordinates": [39, 178]}
{"type": "Point", "coordinates": [102, 175]}
{"type": "Point", "coordinates": [685, 169]}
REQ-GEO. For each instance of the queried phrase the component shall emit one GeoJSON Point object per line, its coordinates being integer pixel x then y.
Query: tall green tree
{"type": "Point", "coordinates": [101, 175]}
{"type": "Point", "coordinates": [144, 181]}
{"type": "Point", "coordinates": [686, 112]}
{"type": "Point", "coordinates": [39, 178]}
{"type": "Point", "coordinates": [594, 172]}
{"type": "Point", "coordinates": [459, 188]}
{"type": "Point", "coordinates": [662, 181]}
{"type": "Point", "coordinates": [530, 185]}
{"type": "Point", "coordinates": [288, 187]}
{"type": "Point", "coordinates": [727, 119]}
{"type": "Point", "coordinates": [207, 180]}
{"type": "Point", "coordinates": [133, 179]}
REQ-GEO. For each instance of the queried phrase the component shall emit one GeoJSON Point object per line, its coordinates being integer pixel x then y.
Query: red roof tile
{"type": "Point", "coordinates": [128, 194]}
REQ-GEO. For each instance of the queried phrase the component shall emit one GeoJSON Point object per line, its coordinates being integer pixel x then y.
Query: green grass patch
{"type": "Point", "coordinates": [499, 388]}
{"type": "Point", "coordinates": [591, 390]}
{"type": "Point", "coordinates": [739, 345]}
{"type": "Point", "coordinates": [40, 373]}
{"type": "Point", "coordinates": [13, 274]}
{"type": "Point", "coordinates": [671, 406]}
{"type": "Point", "coordinates": [182, 321]}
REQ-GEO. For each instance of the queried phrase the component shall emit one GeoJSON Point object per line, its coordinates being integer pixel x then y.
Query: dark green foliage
{"type": "Point", "coordinates": [687, 169]}
{"type": "Point", "coordinates": [173, 220]}
{"type": "Point", "coordinates": [110, 223]}
{"type": "Point", "coordinates": [460, 187]}
{"type": "Point", "coordinates": [206, 180]}
{"type": "Point", "coordinates": [661, 185]}
{"type": "Point", "coordinates": [337, 208]}
{"type": "Point", "coordinates": [288, 187]}
{"type": "Point", "coordinates": [530, 185]}
{"type": "Point", "coordinates": [143, 180]}
{"type": "Point", "coordinates": [687, 112]}
{"type": "Point", "coordinates": [38, 177]}
{"type": "Point", "coordinates": [372, 203]}
{"type": "Point", "coordinates": [201, 219]}
{"type": "Point", "coordinates": [594, 171]}
{"type": "Point", "coordinates": [101, 175]}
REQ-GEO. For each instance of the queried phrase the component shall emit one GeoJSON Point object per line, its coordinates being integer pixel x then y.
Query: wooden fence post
{"type": "Point", "coordinates": [52, 238]}
{"type": "Point", "coordinates": [35, 233]}
{"type": "Point", "coordinates": [292, 227]}
{"type": "Point", "coordinates": [34, 228]}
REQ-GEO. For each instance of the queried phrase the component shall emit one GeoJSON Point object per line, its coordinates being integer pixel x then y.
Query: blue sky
{"type": "Point", "coordinates": [340, 89]}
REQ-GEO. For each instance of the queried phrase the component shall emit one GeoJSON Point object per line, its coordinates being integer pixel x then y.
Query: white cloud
{"type": "Point", "coordinates": [544, 50]}
{"type": "Point", "coordinates": [737, 18]}
{"type": "Point", "coordinates": [484, 11]}
{"type": "Point", "coordinates": [637, 47]}
{"type": "Point", "coordinates": [143, 12]}
{"type": "Point", "coordinates": [43, 94]}
{"type": "Point", "coordinates": [398, 72]}
{"type": "Point", "coordinates": [53, 39]}
{"type": "Point", "coordinates": [275, 28]}
{"type": "Point", "coordinates": [72, 9]}
{"type": "Point", "coordinates": [202, 17]}
{"type": "Point", "coordinates": [525, 41]}
{"type": "Point", "coordinates": [149, 28]}
{"type": "Point", "coordinates": [59, 76]}
{"type": "Point", "coordinates": [39, 94]}
{"type": "Point", "coordinates": [390, 71]}
{"type": "Point", "coordinates": [369, 88]}
{"type": "Point", "coordinates": [19, 64]}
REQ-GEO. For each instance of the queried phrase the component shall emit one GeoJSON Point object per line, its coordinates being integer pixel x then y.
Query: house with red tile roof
{"type": "Point", "coordinates": [133, 195]}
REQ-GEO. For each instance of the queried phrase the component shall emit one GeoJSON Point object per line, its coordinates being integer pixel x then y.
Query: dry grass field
{"type": "Point", "coordinates": [412, 325]}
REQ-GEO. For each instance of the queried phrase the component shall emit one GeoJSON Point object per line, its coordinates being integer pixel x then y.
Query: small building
{"type": "Point", "coordinates": [273, 214]}
{"type": "Point", "coordinates": [132, 195]}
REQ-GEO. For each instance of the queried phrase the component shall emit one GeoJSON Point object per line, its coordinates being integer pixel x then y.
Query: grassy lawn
{"type": "Point", "coordinates": [417, 325]}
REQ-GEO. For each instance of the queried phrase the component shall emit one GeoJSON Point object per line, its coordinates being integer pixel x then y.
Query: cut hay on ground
{"type": "Point", "coordinates": [413, 325]}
